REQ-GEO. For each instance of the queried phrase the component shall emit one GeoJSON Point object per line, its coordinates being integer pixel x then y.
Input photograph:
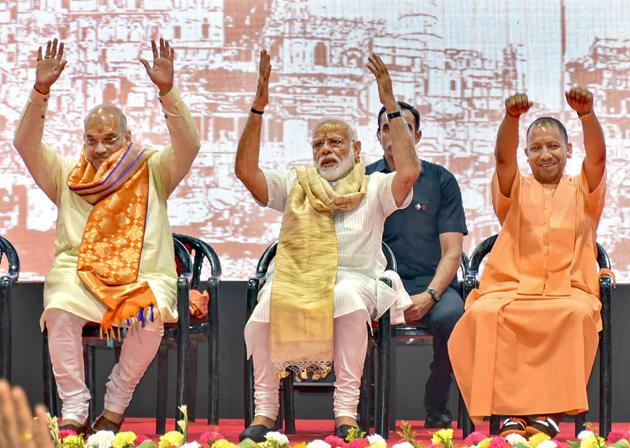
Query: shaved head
{"type": "Point", "coordinates": [107, 114]}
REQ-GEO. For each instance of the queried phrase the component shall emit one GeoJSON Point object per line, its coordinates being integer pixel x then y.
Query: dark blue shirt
{"type": "Point", "coordinates": [413, 233]}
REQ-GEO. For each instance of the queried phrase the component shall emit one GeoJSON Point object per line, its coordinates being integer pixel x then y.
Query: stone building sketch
{"type": "Point", "coordinates": [319, 57]}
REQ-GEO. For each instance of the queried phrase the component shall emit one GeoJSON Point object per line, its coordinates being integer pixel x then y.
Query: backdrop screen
{"type": "Point", "coordinates": [456, 61]}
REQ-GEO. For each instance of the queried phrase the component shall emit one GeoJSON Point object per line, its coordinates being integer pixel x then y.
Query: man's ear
{"type": "Point", "coordinates": [356, 148]}
{"type": "Point", "coordinates": [569, 150]}
{"type": "Point", "coordinates": [378, 136]}
{"type": "Point", "coordinates": [418, 136]}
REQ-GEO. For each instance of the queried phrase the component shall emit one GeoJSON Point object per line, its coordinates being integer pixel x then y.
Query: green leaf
{"type": "Point", "coordinates": [248, 443]}
{"type": "Point", "coordinates": [147, 444]}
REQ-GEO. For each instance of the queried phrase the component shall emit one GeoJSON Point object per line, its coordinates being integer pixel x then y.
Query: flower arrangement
{"type": "Point", "coordinates": [442, 438]}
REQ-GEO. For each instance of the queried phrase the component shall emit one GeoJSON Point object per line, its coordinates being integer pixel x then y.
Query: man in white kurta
{"type": "Point", "coordinates": [357, 205]}
{"type": "Point", "coordinates": [68, 304]}
{"type": "Point", "coordinates": [359, 237]}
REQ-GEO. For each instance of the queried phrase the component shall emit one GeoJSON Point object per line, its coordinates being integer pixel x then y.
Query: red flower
{"type": "Point", "coordinates": [616, 435]}
{"type": "Point", "coordinates": [499, 442]}
{"type": "Point", "coordinates": [358, 443]}
{"type": "Point", "coordinates": [210, 436]}
{"type": "Point", "coordinates": [335, 441]}
{"type": "Point", "coordinates": [67, 432]}
{"type": "Point", "coordinates": [474, 438]}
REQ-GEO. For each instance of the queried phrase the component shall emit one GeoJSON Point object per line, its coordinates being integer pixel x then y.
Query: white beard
{"type": "Point", "coordinates": [336, 172]}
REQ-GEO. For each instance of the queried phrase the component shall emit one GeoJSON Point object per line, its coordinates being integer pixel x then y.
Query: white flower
{"type": "Point", "coordinates": [191, 445]}
{"type": "Point", "coordinates": [376, 439]}
{"type": "Point", "coordinates": [513, 439]}
{"type": "Point", "coordinates": [101, 439]}
{"type": "Point", "coordinates": [585, 434]}
{"type": "Point", "coordinates": [403, 445]}
{"type": "Point", "coordinates": [318, 444]}
{"type": "Point", "coordinates": [547, 444]}
{"type": "Point", "coordinates": [275, 436]}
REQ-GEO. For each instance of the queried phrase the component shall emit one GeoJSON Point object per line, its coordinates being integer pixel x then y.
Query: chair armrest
{"type": "Point", "coordinates": [470, 282]}
{"type": "Point", "coordinates": [253, 286]}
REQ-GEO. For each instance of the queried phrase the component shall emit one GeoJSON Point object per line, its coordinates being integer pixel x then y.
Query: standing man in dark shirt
{"type": "Point", "coordinates": [426, 239]}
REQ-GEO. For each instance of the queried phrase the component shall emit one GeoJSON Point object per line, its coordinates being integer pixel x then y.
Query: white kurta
{"type": "Point", "coordinates": [361, 259]}
{"type": "Point", "coordinates": [63, 288]}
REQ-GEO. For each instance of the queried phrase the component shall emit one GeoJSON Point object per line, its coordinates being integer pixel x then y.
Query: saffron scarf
{"type": "Point", "coordinates": [111, 246]}
{"type": "Point", "coordinates": [301, 313]}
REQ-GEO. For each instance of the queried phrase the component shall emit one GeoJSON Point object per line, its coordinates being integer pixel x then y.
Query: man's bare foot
{"type": "Point", "coordinates": [70, 422]}
{"type": "Point", "coordinates": [265, 421]}
{"type": "Point", "coordinates": [113, 416]}
{"type": "Point", "coordinates": [346, 421]}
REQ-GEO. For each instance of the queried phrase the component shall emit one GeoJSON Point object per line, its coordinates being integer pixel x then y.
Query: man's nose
{"type": "Point", "coordinates": [100, 148]}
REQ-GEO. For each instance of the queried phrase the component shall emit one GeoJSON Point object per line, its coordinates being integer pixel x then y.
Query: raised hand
{"type": "Point", "coordinates": [580, 100]}
{"type": "Point", "coordinates": [162, 72]}
{"type": "Point", "coordinates": [384, 81]}
{"type": "Point", "coordinates": [49, 66]}
{"type": "Point", "coordinates": [262, 90]}
{"type": "Point", "coordinates": [518, 104]}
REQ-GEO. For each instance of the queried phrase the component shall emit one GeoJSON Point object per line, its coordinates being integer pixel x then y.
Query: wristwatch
{"type": "Point", "coordinates": [434, 294]}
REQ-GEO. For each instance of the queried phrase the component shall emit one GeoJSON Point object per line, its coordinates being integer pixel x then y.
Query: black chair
{"type": "Point", "coordinates": [178, 335]}
{"type": "Point", "coordinates": [420, 335]}
{"type": "Point", "coordinates": [288, 384]}
{"type": "Point", "coordinates": [6, 282]}
{"type": "Point", "coordinates": [605, 343]}
{"type": "Point", "coordinates": [201, 330]}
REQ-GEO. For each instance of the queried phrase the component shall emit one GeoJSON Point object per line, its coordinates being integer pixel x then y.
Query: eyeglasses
{"type": "Point", "coordinates": [335, 143]}
{"type": "Point", "coordinates": [109, 142]}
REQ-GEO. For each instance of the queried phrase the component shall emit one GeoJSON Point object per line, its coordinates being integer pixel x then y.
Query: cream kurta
{"type": "Point", "coordinates": [361, 259]}
{"type": "Point", "coordinates": [63, 288]}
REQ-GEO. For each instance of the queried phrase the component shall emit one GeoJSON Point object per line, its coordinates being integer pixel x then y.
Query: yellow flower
{"type": "Point", "coordinates": [484, 443]}
{"type": "Point", "coordinates": [124, 439]}
{"type": "Point", "coordinates": [222, 443]}
{"type": "Point", "coordinates": [174, 438]}
{"type": "Point", "coordinates": [300, 445]}
{"type": "Point", "coordinates": [592, 442]}
{"type": "Point", "coordinates": [537, 438]}
{"type": "Point", "coordinates": [73, 441]}
{"type": "Point", "coordinates": [442, 437]}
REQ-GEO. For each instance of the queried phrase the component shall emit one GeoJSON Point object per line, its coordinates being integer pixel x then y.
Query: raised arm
{"type": "Point", "coordinates": [507, 141]}
{"type": "Point", "coordinates": [30, 130]}
{"type": "Point", "coordinates": [581, 101]}
{"type": "Point", "coordinates": [181, 128]}
{"type": "Point", "coordinates": [248, 151]}
{"type": "Point", "coordinates": [403, 147]}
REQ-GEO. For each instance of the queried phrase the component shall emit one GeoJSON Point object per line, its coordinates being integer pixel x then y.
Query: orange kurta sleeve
{"type": "Point", "coordinates": [500, 202]}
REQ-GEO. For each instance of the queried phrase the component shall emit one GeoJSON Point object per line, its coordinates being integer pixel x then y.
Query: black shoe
{"type": "Point", "coordinates": [343, 431]}
{"type": "Point", "coordinates": [438, 420]}
{"type": "Point", "coordinates": [254, 432]}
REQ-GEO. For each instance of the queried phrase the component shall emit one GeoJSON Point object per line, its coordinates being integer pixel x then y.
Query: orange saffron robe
{"type": "Point", "coordinates": [527, 341]}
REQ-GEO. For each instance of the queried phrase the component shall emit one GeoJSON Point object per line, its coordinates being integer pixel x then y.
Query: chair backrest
{"type": "Point", "coordinates": [7, 249]}
{"type": "Point", "coordinates": [201, 251]}
{"type": "Point", "coordinates": [270, 252]}
{"type": "Point", "coordinates": [183, 256]}
{"type": "Point", "coordinates": [485, 247]}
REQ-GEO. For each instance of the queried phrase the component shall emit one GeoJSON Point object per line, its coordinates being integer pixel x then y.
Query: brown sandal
{"type": "Point", "coordinates": [102, 423]}
{"type": "Point", "coordinates": [83, 429]}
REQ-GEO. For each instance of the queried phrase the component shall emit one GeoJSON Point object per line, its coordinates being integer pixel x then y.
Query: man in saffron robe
{"type": "Point", "coordinates": [114, 259]}
{"type": "Point", "coordinates": [526, 344]}
{"type": "Point", "coordinates": [329, 255]}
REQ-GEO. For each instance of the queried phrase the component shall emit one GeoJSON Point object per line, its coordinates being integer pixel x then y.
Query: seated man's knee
{"type": "Point", "coordinates": [447, 313]}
